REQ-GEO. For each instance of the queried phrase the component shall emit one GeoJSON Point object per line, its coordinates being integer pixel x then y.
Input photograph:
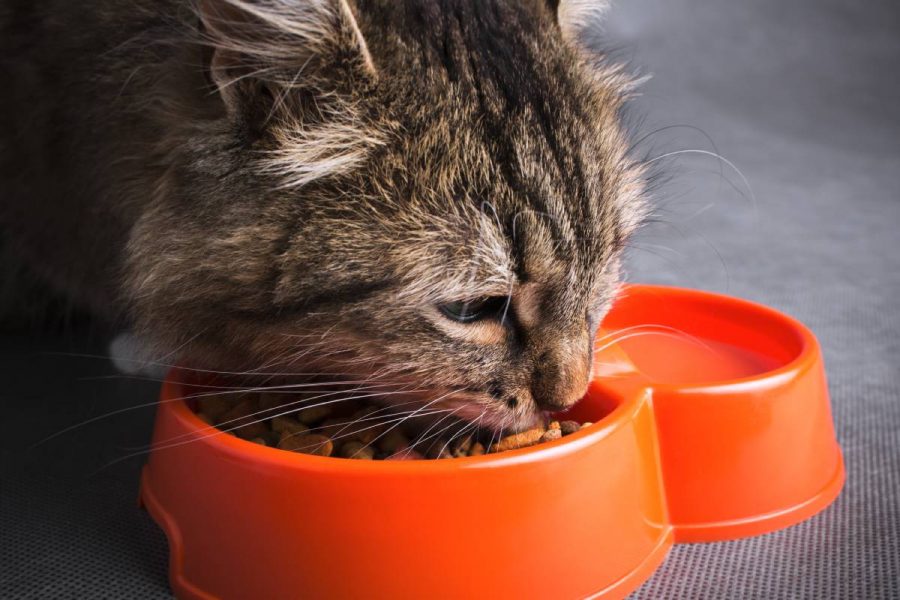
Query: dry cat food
{"type": "Point", "coordinates": [361, 431]}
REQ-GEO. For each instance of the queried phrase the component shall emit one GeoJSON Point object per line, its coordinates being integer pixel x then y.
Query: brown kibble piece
{"type": "Point", "coordinates": [312, 414]}
{"type": "Point", "coordinates": [569, 427]}
{"type": "Point", "coordinates": [551, 434]}
{"type": "Point", "coordinates": [284, 423]}
{"type": "Point", "coordinates": [347, 429]}
{"type": "Point", "coordinates": [392, 441]}
{"type": "Point", "coordinates": [237, 411]}
{"type": "Point", "coordinates": [438, 450]}
{"type": "Point", "coordinates": [310, 443]}
{"type": "Point", "coordinates": [461, 446]}
{"type": "Point", "coordinates": [364, 412]}
{"type": "Point", "coordinates": [350, 430]}
{"type": "Point", "coordinates": [271, 438]}
{"type": "Point", "coordinates": [519, 440]}
{"type": "Point", "coordinates": [365, 432]}
{"type": "Point", "coordinates": [242, 421]}
{"type": "Point", "coordinates": [357, 450]}
{"type": "Point", "coordinates": [368, 428]}
{"type": "Point", "coordinates": [270, 400]}
{"type": "Point", "coordinates": [251, 430]}
{"type": "Point", "coordinates": [586, 424]}
{"type": "Point", "coordinates": [216, 405]}
{"type": "Point", "coordinates": [332, 427]}
{"type": "Point", "coordinates": [406, 454]}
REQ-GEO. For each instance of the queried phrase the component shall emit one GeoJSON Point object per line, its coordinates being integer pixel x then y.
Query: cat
{"type": "Point", "coordinates": [431, 193]}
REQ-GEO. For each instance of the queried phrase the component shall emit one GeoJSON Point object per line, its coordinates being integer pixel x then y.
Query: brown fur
{"type": "Point", "coordinates": [286, 184]}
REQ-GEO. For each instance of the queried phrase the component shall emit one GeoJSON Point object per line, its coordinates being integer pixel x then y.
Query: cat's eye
{"type": "Point", "coordinates": [469, 311]}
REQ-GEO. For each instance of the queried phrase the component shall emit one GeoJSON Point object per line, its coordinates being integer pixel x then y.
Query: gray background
{"type": "Point", "coordinates": [804, 98]}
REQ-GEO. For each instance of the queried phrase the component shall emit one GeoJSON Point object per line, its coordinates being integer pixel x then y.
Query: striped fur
{"type": "Point", "coordinates": [297, 184]}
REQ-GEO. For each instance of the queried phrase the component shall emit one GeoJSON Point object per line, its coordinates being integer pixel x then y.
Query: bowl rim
{"type": "Point", "coordinates": [629, 404]}
{"type": "Point", "coordinates": [803, 359]}
{"type": "Point", "coordinates": [175, 402]}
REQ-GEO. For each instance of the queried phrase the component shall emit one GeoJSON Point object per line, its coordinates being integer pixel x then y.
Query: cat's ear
{"type": "Point", "coordinates": [269, 55]}
{"type": "Point", "coordinates": [578, 18]}
{"type": "Point", "coordinates": [580, 23]}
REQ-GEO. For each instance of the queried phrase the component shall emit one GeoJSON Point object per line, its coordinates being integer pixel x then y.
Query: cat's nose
{"type": "Point", "coordinates": [559, 380]}
{"type": "Point", "coordinates": [555, 401]}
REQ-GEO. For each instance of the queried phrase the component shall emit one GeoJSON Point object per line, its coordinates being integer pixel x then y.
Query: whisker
{"type": "Point", "coordinates": [398, 420]}
{"type": "Point", "coordinates": [439, 398]}
{"type": "Point", "coordinates": [459, 434]}
{"type": "Point", "coordinates": [419, 440]}
{"type": "Point", "coordinates": [291, 411]}
{"type": "Point", "coordinates": [262, 418]}
{"type": "Point", "coordinates": [674, 333]}
{"type": "Point", "coordinates": [235, 390]}
{"type": "Point", "coordinates": [182, 367]}
{"type": "Point", "coordinates": [717, 156]}
{"type": "Point", "coordinates": [215, 431]}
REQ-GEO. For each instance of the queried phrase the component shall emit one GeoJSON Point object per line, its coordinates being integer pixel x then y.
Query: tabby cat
{"type": "Point", "coordinates": [429, 193]}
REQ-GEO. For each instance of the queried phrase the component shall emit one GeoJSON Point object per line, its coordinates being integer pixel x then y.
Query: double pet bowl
{"type": "Point", "coordinates": [715, 425]}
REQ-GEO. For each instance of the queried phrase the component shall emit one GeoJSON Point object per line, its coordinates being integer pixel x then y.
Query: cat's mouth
{"type": "Point", "coordinates": [344, 384]}
{"type": "Point", "coordinates": [422, 412]}
{"type": "Point", "coordinates": [439, 422]}
{"type": "Point", "coordinates": [485, 412]}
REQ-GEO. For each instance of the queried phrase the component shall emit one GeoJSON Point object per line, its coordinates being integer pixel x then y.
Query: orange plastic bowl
{"type": "Point", "coordinates": [714, 425]}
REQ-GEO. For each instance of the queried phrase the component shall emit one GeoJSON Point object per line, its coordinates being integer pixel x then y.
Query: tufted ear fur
{"type": "Point", "coordinates": [576, 17]}
{"type": "Point", "coordinates": [265, 56]}
{"type": "Point", "coordinates": [579, 23]}
{"type": "Point", "coordinates": [293, 72]}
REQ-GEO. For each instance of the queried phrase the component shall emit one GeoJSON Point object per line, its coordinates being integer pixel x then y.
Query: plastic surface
{"type": "Point", "coordinates": [711, 422]}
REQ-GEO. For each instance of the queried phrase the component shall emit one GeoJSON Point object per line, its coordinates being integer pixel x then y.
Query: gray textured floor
{"type": "Point", "coordinates": [804, 97]}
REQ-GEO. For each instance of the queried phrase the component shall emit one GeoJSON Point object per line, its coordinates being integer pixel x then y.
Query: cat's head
{"type": "Point", "coordinates": [431, 193]}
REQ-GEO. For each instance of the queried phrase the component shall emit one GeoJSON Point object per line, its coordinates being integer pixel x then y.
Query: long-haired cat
{"type": "Point", "coordinates": [430, 193]}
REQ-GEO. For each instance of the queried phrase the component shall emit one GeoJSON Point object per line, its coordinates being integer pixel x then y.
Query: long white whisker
{"type": "Point", "coordinates": [412, 415]}
{"type": "Point", "coordinates": [459, 434]}
{"type": "Point", "coordinates": [241, 420]}
{"type": "Point", "coordinates": [678, 335]}
{"type": "Point", "coordinates": [717, 157]}
{"type": "Point", "coordinates": [235, 390]}
{"type": "Point", "coordinates": [396, 419]}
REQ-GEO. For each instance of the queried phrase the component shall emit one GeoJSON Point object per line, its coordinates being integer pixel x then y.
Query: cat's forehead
{"type": "Point", "coordinates": [547, 155]}
{"type": "Point", "coordinates": [497, 249]}
{"type": "Point", "coordinates": [506, 163]}
{"type": "Point", "coordinates": [540, 193]}
{"type": "Point", "coordinates": [501, 209]}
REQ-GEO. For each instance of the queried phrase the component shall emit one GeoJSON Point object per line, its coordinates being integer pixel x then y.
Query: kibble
{"type": "Point", "coordinates": [569, 427]}
{"type": "Point", "coordinates": [357, 433]}
{"type": "Point", "coordinates": [311, 443]}
{"type": "Point", "coordinates": [551, 434]}
{"type": "Point", "coordinates": [313, 414]}
{"type": "Point", "coordinates": [243, 421]}
{"type": "Point", "coordinates": [358, 450]}
{"type": "Point", "coordinates": [393, 441]}
{"type": "Point", "coordinates": [519, 440]}
{"type": "Point", "coordinates": [214, 405]}
{"type": "Point", "coordinates": [270, 400]}
{"type": "Point", "coordinates": [462, 447]}
{"type": "Point", "coordinates": [438, 450]}
{"type": "Point", "coordinates": [283, 423]}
